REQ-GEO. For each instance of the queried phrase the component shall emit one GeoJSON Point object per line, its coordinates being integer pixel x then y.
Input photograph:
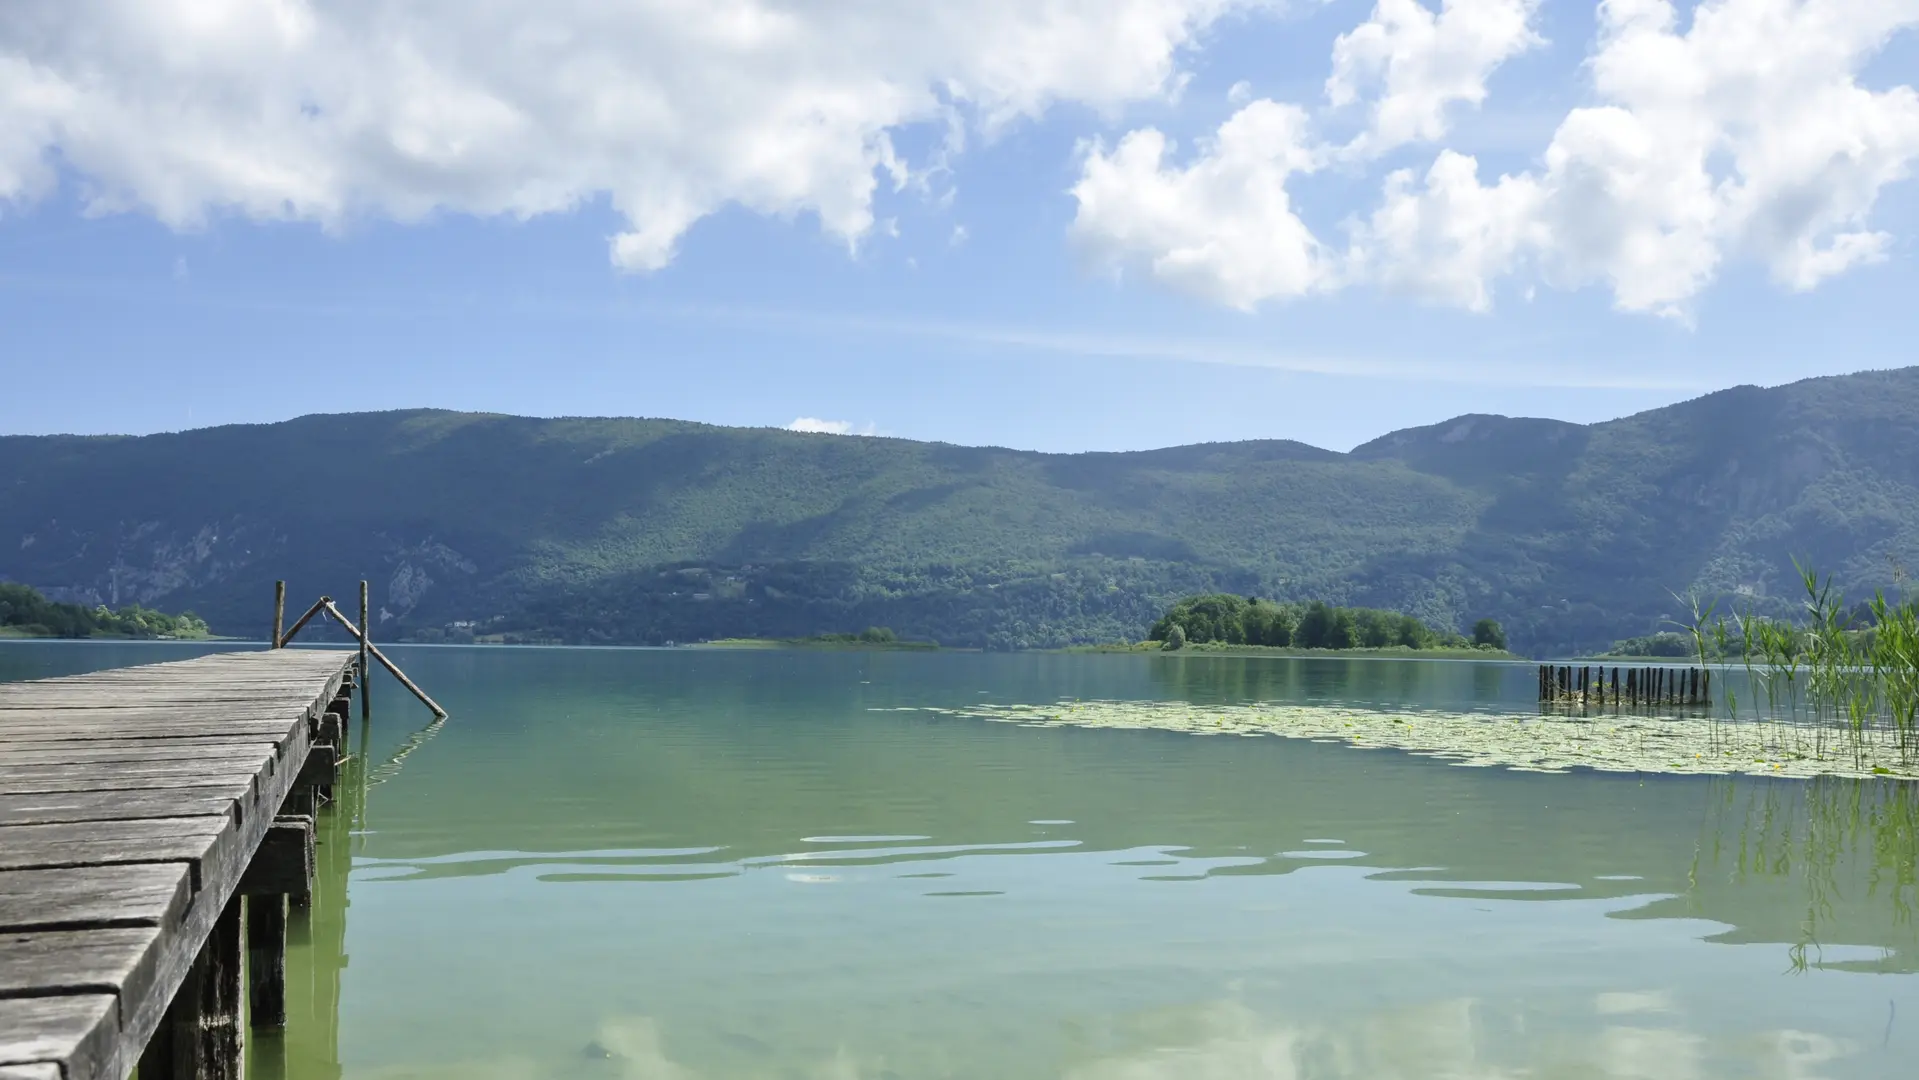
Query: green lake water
{"type": "Point", "coordinates": [705, 865]}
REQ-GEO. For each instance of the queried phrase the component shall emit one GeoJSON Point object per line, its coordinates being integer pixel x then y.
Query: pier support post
{"type": "Point", "coordinates": [200, 1037]}
{"type": "Point", "coordinates": [279, 613]}
{"type": "Point", "coordinates": [267, 961]}
{"type": "Point", "coordinates": [222, 1028]}
{"type": "Point", "coordinates": [366, 673]}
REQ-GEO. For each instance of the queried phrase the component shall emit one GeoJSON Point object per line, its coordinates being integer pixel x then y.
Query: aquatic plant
{"type": "Point", "coordinates": [1851, 845]}
{"type": "Point", "coordinates": [1831, 673]}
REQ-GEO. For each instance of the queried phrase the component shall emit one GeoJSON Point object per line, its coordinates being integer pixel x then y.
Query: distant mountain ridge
{"type": "Point", "coordinates": [629, 530]}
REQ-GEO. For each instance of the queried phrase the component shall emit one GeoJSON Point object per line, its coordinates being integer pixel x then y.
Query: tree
{"type": "Point", "coordinates": [1175, 638]}
{"type": "Point", "coordinates": [1315, 627]}
{"type": "Point", "coordinates": [1212, 617]}
{"type": "Point", "coordinates": [1344, 633]}
{"type": "Point", "coordinates": [1413, 633]}
{"type": "Point", "coordinates": [1489, 633]}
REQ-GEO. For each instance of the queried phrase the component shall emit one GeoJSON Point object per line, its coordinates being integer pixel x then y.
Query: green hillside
{"type": "Point", "coordinates": [646, 530]}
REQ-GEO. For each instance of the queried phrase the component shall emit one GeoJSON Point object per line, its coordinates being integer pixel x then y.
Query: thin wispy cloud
{"type": "Point", "coordinates": [813, 425]}
{"type": "Point", "coordinates": [1201, 350]}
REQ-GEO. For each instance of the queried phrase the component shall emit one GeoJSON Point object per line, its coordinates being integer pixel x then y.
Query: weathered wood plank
{"type": "Point", "coordinates": [133, 784]}
{"type": "Point", "coordinates": [217, 742]}
{"type": "Point", "coordinates": [45, 1070]}
{"type": "Point", "coordinates": [59, 770]}
{"type": "Point", "coordinates": [76, 1029]}
{"type": "Point", "coordinates": [135, 750]}
{"type": "Point", "coordinates": [100, 843]}
{"type": "Point", "coordinates": [144, 894]}
{"type": "Point", "coordinates": [222, 712]}
{"type": "Point", "coordinates": [109, 961]}
{"type": "Point", "coordinates": [127, 775]}
{"type": "Point", "coordinates": [57, 807]}
{"type": "Point", "coordinates": [139, 722]}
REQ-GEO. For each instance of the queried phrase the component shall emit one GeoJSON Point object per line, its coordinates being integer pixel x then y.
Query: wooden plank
{"type": "Point", "coordinates": [184, 698]}
{"type": "Point", "coordinates": [248, 764]}
{"type": "Point", "coordinates": [132, 784]}
{"type": "Point", "coordinates": [57, 807]}
{"type": "Point", "coordinates": [76, 1029]}
{"type": "Point", "coordinates": [259, 659]}
{"type": "Point", "coordinates": [93, 695]}
{"type": "Point", "coordinates": [137, 750]}
{"type": "Point", "coordinates": [146, 894]}
{"type": "Point", "coordinates": [132, 770]}
{"type": "Point", "coordinates": [131, 722]}
{"type": "Point", "coordinates": [127, 776]}
{"type": "Point", "coordinates": [45, 1070]}
{"type": "Point", "coordinates": [108, 961]}
{"type": "Point", "coordinates": [220, 712]}
{"type": "Point", "coordinates": [23, 741]}
{"type": "Point", "coordinates": [102, 843]}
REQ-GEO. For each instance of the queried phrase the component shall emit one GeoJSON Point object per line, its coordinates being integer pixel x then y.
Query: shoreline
{"type": "Point", "coordinates": [1387, 652]}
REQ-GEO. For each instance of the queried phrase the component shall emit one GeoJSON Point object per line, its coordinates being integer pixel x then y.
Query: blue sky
{"type": "Point", "coordinates": [939, 231]}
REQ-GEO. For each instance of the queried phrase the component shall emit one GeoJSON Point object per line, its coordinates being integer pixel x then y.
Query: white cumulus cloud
{"type": "Point", "coordinates": [1740, 133]}
{"type": "Point", "coordinates": [1222, 225]}
{"type": "Point", "coordinates": [669, 109]}
{"type": "Point", "coordinates": [1745, 135]}
{"type": "Point", "coordinates": [1424, 61]}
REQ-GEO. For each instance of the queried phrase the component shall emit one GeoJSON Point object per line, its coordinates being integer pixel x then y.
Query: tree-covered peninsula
{"type": "Point", "coordinates": [26, 613]}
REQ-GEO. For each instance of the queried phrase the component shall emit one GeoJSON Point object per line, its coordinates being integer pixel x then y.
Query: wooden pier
{"type": "Point", "coordinates": [155, 824]}
{"type": "Point", "coordinates": [1651, 686]}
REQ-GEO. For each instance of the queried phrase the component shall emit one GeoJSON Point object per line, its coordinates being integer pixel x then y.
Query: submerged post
{"type": "Point", "coordinates": [279, 612]}
{"type": "Point", "coordinates": [366, 676]}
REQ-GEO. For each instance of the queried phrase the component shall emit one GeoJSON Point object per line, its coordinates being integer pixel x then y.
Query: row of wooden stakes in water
{"type": "Point", "coordinates": [1630, 686]}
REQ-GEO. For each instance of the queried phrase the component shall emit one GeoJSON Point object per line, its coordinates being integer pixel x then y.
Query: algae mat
{"type": "Point", "coordinates": [1537, 743]}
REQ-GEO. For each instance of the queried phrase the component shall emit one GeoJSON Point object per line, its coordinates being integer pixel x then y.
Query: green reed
{"type": "Point", "coordinates": [1822, 676]}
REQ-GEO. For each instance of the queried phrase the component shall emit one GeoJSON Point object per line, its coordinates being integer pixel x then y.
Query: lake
{"type": "Point", "coordinates": [704, 865]}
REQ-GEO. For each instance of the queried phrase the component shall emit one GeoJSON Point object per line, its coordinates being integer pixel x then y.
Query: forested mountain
{"type": "Point", "coordinates": [644, 530]}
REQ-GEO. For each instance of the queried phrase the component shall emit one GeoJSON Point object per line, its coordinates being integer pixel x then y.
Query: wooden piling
{"type": "Point", "coordinates": [1653, 685]}
{"type": "Point", "coordinates": [366, 674]}
{"type": "Point", "coordinates": [199, 1037]}
{"type": "Point", "coordinates": [267, 960]}
{"type": "Point", "coordinates": [279, 613]}
{"type": "Point", "coordinates": [221, 1023]}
